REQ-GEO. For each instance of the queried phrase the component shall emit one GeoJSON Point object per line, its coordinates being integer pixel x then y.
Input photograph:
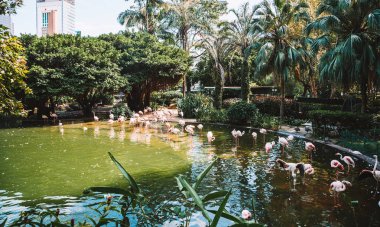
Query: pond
{"type": "Point", "coordinates": [49, 167]}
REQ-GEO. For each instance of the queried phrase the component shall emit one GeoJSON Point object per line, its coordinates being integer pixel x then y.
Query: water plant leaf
{"type": "Point", "coordinates": [229, 216]}
{"type": "Point", "coordinates": [3, 223]}
{"type": "Point", "coordinates": [202, 175]}
{"type": "Point", "coordinates": [195, 197]}
{"type": "Point", "coordinates": [182, 188]}
{"type": "Point", "coordinates": [214, 195]}
{"type": "Point", "coordinates": [132, 182]}
{"type": "Point", "coordinates": [218, 214]}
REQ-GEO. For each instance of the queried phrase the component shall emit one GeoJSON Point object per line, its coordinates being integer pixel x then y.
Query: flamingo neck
{"type": "Point", "coordinates": [341, 156]}
{"type": "Point", "coordinates": [374, 168]}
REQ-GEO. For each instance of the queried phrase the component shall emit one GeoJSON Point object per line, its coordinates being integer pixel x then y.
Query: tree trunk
{"type": "Point", "coordinates": [363, 91]}
{"type": "Point", "coordinates": [245, 89]}
{"type": "Point", "coordinates": [219, 84]}
{"type": "Point", "coordinates": [282, 88]}
{"type": "Point", "coordinates": [136, 98]}
{"type": "Point", "coordinates": [87, 109]}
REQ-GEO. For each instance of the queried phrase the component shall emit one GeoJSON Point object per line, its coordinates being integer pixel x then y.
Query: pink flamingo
{"type": "Point", "coordinates": [269, 146]}
{"type": "Point", "coordinates": [374, 173]}
{"type": "Point", "coordinates": [336, 187]}
{"type": "Point", "coordinates": [309, 147]}
{"type": "Point", "coordinates": [210, 137]}
{"type": "Point", "coordinates": [336, 164]}
{"type": "Point", "coordinates": [348, 160]}
{"type": "Point", "coordinates": [283, 142]}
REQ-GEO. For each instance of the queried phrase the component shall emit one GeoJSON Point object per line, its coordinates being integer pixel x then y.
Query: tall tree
{"type": "Point", "coordinates": [240, 33]}
{"type": "Point", "coordinates": [144, 15]}
{"type": "Point", "coordinates": [187, 18]}
{"type": "Point", "coordinates": [84, 68]}
{"type": "Point", "coordinates": [278, 53]}
{"type": "Point", "coordinates": [149, 65]}
{"type": "Point", "coordinates": [350, 34]}
{"type": "Point", "coordinates": [12, 66]}
{"type": "Point", "coordinates": [217, 47]}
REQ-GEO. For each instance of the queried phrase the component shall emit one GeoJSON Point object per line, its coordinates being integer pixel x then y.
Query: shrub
{"type": "Point", "coordinates": [271, 105]}
{"type": "Point", "coordinates": [339, 118]}
{"type": "Point", "coordinates": [212, 115]}
{"type": "Point", "coordinates": [194, 103]}
{"type": "Point", "coordinates": [241, 112]}
{"type": "Point", "coordinates": [165, 98]}
{"type": "Point", "coordinates": [227, 103]}
{"type": "Point", "coordinates": [265, 121]}
{"type": "Point", "coordinates": [121, 109]}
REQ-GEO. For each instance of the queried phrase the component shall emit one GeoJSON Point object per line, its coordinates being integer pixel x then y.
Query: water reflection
{"type": "Point", "coordinates": [155, 156]}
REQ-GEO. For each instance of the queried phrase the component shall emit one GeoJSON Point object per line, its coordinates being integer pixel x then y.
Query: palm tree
{"type": "Point", "coordinates": [240, 34]}
{"type": "Point", "coordinates": [279, 53]}
{"type": "Point", "coordinates": [145, 15]}
{"type": "Point", "coordinates": [187, 18]}
{"type": "Point", "coordinates": [217, 48]}
{"type": "Point", "coordinates": [350, 31]}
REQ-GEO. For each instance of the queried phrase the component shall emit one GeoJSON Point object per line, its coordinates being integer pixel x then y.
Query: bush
{"type": "Point", "coordinates": [212, 115]}
{"type": "Point", "coordinates": [241, 112]}
{"type": "Point", "coordinates": [339, 118]}
{"type": "Point", "coordinates": [227, 103]}
{"type": "Point", "coordinates": [265, 121]}
{"type": "Point", "coordinates": [121, 109]}
{"type": "Point", "coordinates": [271, 106]}
{"type": "Point", "coordinates": [165, 98]}
{"type": "Point", "coordinates": [307, 107]}
{"type": "Point", "coordinates": [194, 103]}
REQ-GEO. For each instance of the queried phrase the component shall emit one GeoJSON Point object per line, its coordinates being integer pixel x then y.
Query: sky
{"type": "Point", "coordinates": [93, 17]}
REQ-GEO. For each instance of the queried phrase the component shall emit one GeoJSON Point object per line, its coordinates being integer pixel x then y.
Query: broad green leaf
{"type": "Point", "coordinates": [214, 195]}
{"type": "Point", "coordinates": [195, 197]}
{"type": "Point", "coordinates": [218, 214]}
{"type": "Point", "coordinates": [228, 216]}
{"type": "Point", "coordinates": [202, 175]}
{"type": "Point", "coordinates": [132, 182]}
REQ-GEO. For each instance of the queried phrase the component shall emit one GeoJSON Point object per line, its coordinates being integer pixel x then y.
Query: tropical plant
{"type": "Point", "coordinates": [278, 54]}
{"type": "Point", "coordinates": [240, 34]}
{"type": "Point", "coordinates": [193, 104]}
{"type": "Point", "coordinates": [349, 31]}
{"type": "Point", "coordinates": [217, 47]}
{"type": "Point", "coordinates": [12, 74]}
{"type": "Point", "coordinates": [84, 68]}
{"type": "Point", "coordinates": [149, 65]}
{"type": "Point", "coordinates": [144, 15]}
{"type": "Point", "coordinates": [241, 112]}
{"type": "Point", "coordinates": [9, 6]}
{"type": "Point", "coordinates": [186, 18]}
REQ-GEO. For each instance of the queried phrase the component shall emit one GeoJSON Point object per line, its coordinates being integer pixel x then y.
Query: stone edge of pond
{"type": "Point", "coordinates": [363, 157]}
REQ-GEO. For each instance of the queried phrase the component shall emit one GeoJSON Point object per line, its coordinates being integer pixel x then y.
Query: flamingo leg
{"type": "Point", "coordinates": [348, 169]}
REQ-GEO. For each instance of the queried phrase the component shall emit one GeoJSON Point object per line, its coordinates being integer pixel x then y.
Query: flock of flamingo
{"type": "Point", "coordinates": [148, 118]}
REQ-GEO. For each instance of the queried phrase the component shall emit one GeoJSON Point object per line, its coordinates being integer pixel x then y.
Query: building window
{"type": "Point", "coordinates": [45, 20]}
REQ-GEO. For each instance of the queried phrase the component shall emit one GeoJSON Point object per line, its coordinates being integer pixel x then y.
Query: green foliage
{"type": "Point", "coordinates": [9, 6]}
{"type": "Point", "coordinates": [165, 98]}
{"type": "Point", "coordinates": [194, 103]}
{"type": "Point", "coordinates": [339, 118]}
{"type": "Point", "coordinates": [265, 121]}
{"type": "Point", "coordinates": [121, 109]}
{"type": "Point", "coordinates": [84, 68]}
{"type": "Point", "coordinates": [270, 106]}
{"type": "Point", "coordinates": [149, 65]}
{"type": "Point", "coordinates": [227, 103]}
{"type": "Point", "coordinates": [12, 74]}
{"type": "Point", "coordinates": [241, 112]}
{"type": "Point", "coordinates": [212, 115]}
{"type": "Point", "coordinates": [350, 30]}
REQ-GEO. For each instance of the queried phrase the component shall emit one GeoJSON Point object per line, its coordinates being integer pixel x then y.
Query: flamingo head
{"type": "Point", "coordinates": [246, 215]}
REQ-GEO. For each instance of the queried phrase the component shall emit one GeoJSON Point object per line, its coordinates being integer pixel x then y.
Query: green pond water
{"type": "Point", "coordinates": [48, 167]}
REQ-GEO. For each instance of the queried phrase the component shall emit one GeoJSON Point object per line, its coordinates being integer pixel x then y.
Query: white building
{"type": "Point", "coordinates": [6, 20]}
{"type": "Point", "coordinates": [55, 17]}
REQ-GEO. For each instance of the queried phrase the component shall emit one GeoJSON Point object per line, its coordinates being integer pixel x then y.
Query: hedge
{"type": "Point", "coordinates": [340, 119]}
